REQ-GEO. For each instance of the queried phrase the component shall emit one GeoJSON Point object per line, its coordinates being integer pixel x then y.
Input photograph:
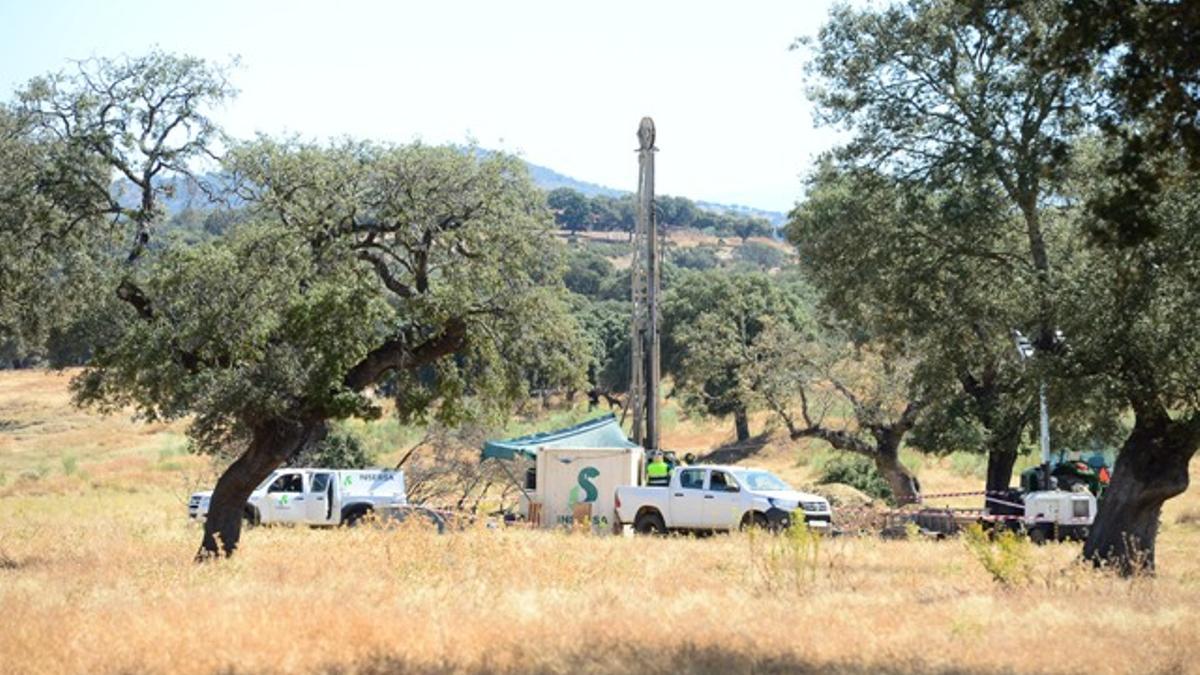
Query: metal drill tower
{"type": "Point", "coordinates": [644, 352]}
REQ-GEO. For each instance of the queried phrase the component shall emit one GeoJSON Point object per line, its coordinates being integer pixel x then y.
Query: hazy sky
{"type": "Point", "coordinates": [562, 84]}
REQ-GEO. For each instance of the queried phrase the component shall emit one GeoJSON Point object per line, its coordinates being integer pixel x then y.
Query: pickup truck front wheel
{"type": "Point", "coordinates": [755, 520]}
{"type": "Point", "coordinates": [649, 523]}
{"type": "Point", "coordinates": [251, 517]}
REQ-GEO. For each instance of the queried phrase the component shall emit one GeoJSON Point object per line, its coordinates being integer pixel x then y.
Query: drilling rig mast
{"type": "Point", "coordinates": [644, 351]}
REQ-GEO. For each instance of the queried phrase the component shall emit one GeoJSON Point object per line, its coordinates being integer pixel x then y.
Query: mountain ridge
{"type": "Point", "coordinates": [189, 195]}
{"type": "Point", "coordinates": [549, 179]}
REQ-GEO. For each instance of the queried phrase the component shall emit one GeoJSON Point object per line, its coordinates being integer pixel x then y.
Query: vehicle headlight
{"type": "Point", "coordinates": [782, 505]}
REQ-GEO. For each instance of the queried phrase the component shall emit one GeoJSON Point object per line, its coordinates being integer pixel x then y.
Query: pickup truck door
{"type": "Point", "coordinates": [687, 498]}
{"type": "Point", "coordinates": [318, 504]}
{"type": "Point", "coordinates": [285, 499]}
{"type": "Point", "coordinates": [722, 502]}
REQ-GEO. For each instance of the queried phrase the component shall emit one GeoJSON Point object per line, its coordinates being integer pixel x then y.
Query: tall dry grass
{"type": "Point", "coordinates": [105, 584]}
{"type": "Point", "coordinates": [96, 576]}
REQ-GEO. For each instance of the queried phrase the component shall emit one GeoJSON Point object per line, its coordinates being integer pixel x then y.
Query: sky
{"type": "Point", "coordinates": [562, 84]}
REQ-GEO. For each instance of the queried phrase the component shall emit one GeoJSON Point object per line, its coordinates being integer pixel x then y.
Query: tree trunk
{"type": "Point", "coordinates": [272, 443]}
{"type": "Point", "coordinates": [1152, 468]}
{"type": "Point", "coordinates": [1004, 440]}
{"type": "Point", "coordinates": [741, 424]}
{"type": "Point", "coordinates": [905, 489]}
{"type": "Point", "coordinates": [1000, 468]}
{"type": "Point", "coordinates": [1003, 423]}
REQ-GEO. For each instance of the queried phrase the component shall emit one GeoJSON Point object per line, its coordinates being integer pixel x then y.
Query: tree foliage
{"type": "Point", "coordinates": [143, 118]}
{"type": "Point", "coordinates": [352, 265]}
{"type": "Point", "coordinates": [962, 128]}
{"type": "Point", "coordinates": [571, 209]}
{"type": "Point", "coordinates": [51, 249]}
{"type": "Point", "coordinates": [859, 397]}
{"type": "Point", "coordinates": [575, 211]}
{"type": "Point", "coordinates": [1149, 71]}
{"type": "Point", "coordinates": [337, 450]}
{"type": "Point", "coordinates": [973, 198]}
{"type": "Point", "coordinates": [711, 321]}
{"type": "Point", "coordinates": [362, 261]}
{"type": "Point", "coordinates": [605, 324]}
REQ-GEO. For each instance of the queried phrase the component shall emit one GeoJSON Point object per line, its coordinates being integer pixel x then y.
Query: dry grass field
{"type": "Point", "coordinates": [96, 576]}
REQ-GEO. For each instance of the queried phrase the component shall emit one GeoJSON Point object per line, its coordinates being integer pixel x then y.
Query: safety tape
{"type": "Point", "coordinates": [942, 495]}
{"type": "Point", "coordinates": [978, 515]}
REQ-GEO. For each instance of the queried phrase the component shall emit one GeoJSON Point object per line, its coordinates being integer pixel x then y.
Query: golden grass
{"type": "Point", "coordinates": [96, 576]}
{"type": "Point", "coordinates": [106, 584]}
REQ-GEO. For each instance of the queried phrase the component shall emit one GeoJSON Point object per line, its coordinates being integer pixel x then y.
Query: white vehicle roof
{"type": "Point", "coordinates": [724, 467]}
{"type": "Point", "coordinates": [317, 468]}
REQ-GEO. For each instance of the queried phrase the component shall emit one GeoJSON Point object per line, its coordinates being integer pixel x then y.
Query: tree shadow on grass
{"type": "Point", "coordinates": [732, 453]}
{"type": "Point", "coordinates": [650, 658]}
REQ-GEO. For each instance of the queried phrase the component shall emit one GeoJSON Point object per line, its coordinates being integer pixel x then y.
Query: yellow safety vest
{"type": "Point", "coordinates": [657, 469]}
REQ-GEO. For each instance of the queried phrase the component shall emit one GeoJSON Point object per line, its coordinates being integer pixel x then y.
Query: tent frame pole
{"type": "Point", "coordinates": [519, 484]}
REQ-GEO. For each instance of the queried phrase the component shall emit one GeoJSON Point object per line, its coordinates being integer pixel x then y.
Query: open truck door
{"type": "Point", "coordinates": [320, 503]}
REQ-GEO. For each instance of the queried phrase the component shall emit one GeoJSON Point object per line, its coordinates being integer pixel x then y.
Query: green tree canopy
{"type": "Point", "coordinates": [571, 209]}
{"type": "Point", "coordinates": [51, 243]}
{"type": "Point", "coordinates": [710, 321]}
{"type": "Point", "coordinates": [962, 126]}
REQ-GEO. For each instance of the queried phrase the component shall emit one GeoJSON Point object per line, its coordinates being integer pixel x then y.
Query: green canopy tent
{"type": "Point", "coordinates": [600, 433]}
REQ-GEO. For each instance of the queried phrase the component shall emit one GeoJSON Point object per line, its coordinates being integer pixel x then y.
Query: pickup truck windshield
{"type": "Point", "coordinates": [763, 481]}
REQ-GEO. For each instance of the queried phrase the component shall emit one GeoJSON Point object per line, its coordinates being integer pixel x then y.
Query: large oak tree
{"type": "Point", "coordinates": [431, 270]}
{"type": "Point", "coordinates": [960, 97]}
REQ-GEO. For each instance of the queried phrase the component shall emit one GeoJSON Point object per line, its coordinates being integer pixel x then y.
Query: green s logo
{"type": "Point", "coordinates": [585, 491]}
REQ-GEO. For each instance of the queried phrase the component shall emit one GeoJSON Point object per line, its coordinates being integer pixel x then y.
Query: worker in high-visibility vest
{"type": "Point", "coordinates": [657, 471]}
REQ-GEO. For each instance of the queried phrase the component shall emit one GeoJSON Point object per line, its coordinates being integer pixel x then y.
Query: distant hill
{"type": "Point", "coordinates": [549, 179]}
{"type": "Point", "coordinates": [187, 194]}
{"type": "Point", "coordinates": [774, 217]}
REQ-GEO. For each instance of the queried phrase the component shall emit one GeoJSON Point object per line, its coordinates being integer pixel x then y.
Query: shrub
{"type": "Point", "coordinates": [969, 465]}
{"type": "Point", "coordinates": [695, 258]}
{"type": "Point", "coordinates": [761, 255]}
{"type": "Point", "coordinates": [1006, 556]}
{"type": "Point", "coordinates": [789, 561]}
{"type": "Point", "coordinates": [69, 465]}
{"type": "Point", "coordinates": [338, 450]}
{"type": "Point", "coordinates": [858, 472]}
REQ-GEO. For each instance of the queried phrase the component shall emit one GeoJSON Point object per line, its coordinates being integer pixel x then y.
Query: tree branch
{"type": "Point", "coordinates": [396, 354]}
{"type": "Point", "coordinates": [385, 275]}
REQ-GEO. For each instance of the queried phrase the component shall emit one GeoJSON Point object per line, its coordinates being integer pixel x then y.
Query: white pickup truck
{"type": "Point", "coordinates": [716, 497]}
{"type": "Point", "coordinates": [316, 496]}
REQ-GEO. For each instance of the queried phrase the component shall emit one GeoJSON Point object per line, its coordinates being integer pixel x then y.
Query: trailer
{"type": "Point", "coordinates": [1044, 515]}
